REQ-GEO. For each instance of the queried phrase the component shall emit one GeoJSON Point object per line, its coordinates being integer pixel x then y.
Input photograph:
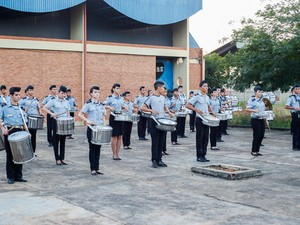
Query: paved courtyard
{"type": "Point", "coordinates": [131, 192]}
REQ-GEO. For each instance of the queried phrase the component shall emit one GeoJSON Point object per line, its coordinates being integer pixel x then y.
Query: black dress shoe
{"type": "Point", "coordinates": [10, 181]}
{"type": "Point", "coordinates": [50, 145]}
{"type": "Point", "coordinates": [161, 164]}
{"type": "Point", "coordinates": [259, 154]}
{"type": "Point", "coordinates": [184, 136]}
{"type": "Point", "coordinates": [100, 173]}
{"type": "Point", "coordinates": [63, 162]}
{"type": "Point", "coordinates": [165, 153]}
{"type": "Point", "coordinates": [145, 139]}
{"type": "Point", "coordinates": [206, 160]}
{"type": "Point", "coordinates": [115, 158]}
{"type": "Point", "coordinates": [93, 173]}
{"type": "Point", "coordinates": [154, 164]}
{"type": "Point", "coordinates": [220, 140]}
{"type": "Point", "coordinates": [261, 145]}
{"type": "Point", "coordinates": [254, 153]}
{"type": "Point", "coordinates": [58, 163]}
{"type": "Point", "coordinates": [225, 134]}
{"type": "Point", "coordinates": [201, 159]}
{"type": "Point", "coordinates": [296, 149]}
{"type": "Point", "coordinates": [20, 180]}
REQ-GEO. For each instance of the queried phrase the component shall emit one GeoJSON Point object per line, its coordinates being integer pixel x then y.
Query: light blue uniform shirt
{"type": "Point", "coordinates": [293, 101]}
{"type": "Point", "coordinates": [254, 103]}
{"type": "Point", "coordinates": [94, 111]}
{"type": "Point", "coordinates": [140, 100]}
{"type": "Point", "coordinates": [72, 102]}
{"type": "Point", "coordinates": [4, 100]}
{"type": "Point", "coordinates": [115, 102]}
{"type": "Point", "coordinates": [182, 98]}
{"type": "Point", "coordinates": [47, 99]}
{"type": "Point", "coordinates": [129, 106]}
{"type": "Point", "coordinates": [156, 103]}
{"type": "Point", "coordinates": [33, 105]}
{"type": "Point", "coordinates": [200, 102]}
{"type": "Point", "coordinates": [11, 115]}
{"type": "Point", "coordinates": [215, 104]}
{"type": "Point", "coordinates": [178, 104]}
{"type": "Point", "coordinates": [59, 107]}
{"type": "Point", "coordinates": [167, 102]}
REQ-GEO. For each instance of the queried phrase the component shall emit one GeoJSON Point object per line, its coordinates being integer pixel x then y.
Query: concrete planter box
{"type": "Point", "coordinates": [229, 172]}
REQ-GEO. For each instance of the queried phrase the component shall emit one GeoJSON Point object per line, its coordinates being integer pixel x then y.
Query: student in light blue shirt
{"type": "Point", "coordinates": [256, 106]}
{"type": "Point", "coordinates": [93, 112]}
{"type": "Point", "coordinates": [127, 127]}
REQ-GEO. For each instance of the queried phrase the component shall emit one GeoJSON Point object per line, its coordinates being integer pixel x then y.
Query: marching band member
{"type": "Point", "coordinates": [31, 106]}
{"type": "Point", "coordinates": [115, 103]}
{"type": "Point", "coordinates": [168, 104]}
{"type": "Point", "coordinates": [156, 105]}
{"type": "Point", "coordinates": [176, 106]}
{"type": "Point", "coordinates": [192, 116]}
{"type": "Point", "coordinates": [256, 106]}
{"type": "Point", "coordinates": [293, 104]}
{"type": "Point", "coordinates": [215, 106]}
{"type": "Point", "coordinates": [142, 124]}
{"type": "Point", "coordinates": [51, 96]}
{"type": "Point", "coordinates": [200, 104]}
{"type": "Point", "coordinates": [223, 123]}
{"type": "Point", "coordinates": [11, 114]}
{"type": "Point", "coordinates": [127, 127]}
{"type": "Point", "coordinates": [183, 99]}
{"type": "Point", "coordinates": [60, 108]}
{"type": "Point", "coordinates": [93, 113]}
{"type": "Point", "coordinates": [4, 99]}
{"type": "Point", "coordinates": [72, 104]}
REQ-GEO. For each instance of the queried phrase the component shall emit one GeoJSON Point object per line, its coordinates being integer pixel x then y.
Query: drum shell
{"type": "Point", "coordinates": [36, 122]}
{"type": "Point", "coordinates": [210, 120]}
{"type": "Point", "coordinates": [2, 144]}
{"type": "Point", "coordinates": [166, 127]}
{"type": "Point", "coordinates": [222, 116]}
{"type": "Point", "coordinates": [123, 117]}
{"type": "Point", "coordinates": [65, 125]}
{"type": "Point", "coordinates": [135, 118]}
{"type": "Point", "coordinates": [101, 135]}
{"type": "Point", "coordinates": [270, 115]}
{"type": "Point", "coordinates": [234, 101]}
{"type": "Point", "coordinates": [181, 114]}
{"type": "Point", "coordinates": [21, 149]}
{"type": "Point", "coordinates": [145, 114]}
{"type": "Point", "coordinates": [229, 114]}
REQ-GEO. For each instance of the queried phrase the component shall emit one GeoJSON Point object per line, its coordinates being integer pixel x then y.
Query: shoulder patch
{"type": "Point", "coordinates": [3, 104]}
{"type": "Point", "coordinates": [53, 97]}
{"type": "Point", "coordinates": [89, 101]}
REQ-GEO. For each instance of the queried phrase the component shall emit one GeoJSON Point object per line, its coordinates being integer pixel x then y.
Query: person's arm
{"type": "Point", "coordinates": [250, 106]}
{"type": "Point", "coordinates": [2, 127]}
{"type": "Point", "coordinates": [47, 107]}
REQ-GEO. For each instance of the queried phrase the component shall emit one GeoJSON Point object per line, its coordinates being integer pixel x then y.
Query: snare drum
{"type": "Point", "coordinates": [21, 147]}
{"type": "Point", "coordinates": [181, 114]}
{"type": "Point", "coordinates": [2, 144]}
{"type": "Point", "coordinates": [210, 120]}
{"type": "Point", "coordinates": [229, 114]}
{"type": "Point", "coordinates": [135, 118]}
{"type": "Point", "coordinates": [36, 122]}
{"type": "Point", "coordinates": [65, 125]}
{"type": "Point", "coordinates": [146, 114]}
{"type": "Point", "coordinates": [166, 124]}
{"type": "Point", "coordinates": [101, 135]}
{"type": "Point", "coordinates": [270, 115]}
{"type": "Point", "coordinates": [222, 116]}
{"type": "Point", "coordinates": [122, 117]}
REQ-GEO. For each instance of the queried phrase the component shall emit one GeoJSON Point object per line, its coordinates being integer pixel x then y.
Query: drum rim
{"type": "Point", "coordinates": [17, 133]}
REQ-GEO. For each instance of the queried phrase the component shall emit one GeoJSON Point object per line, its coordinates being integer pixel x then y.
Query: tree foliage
{"type": "Point", "coordinates": [270, 56]}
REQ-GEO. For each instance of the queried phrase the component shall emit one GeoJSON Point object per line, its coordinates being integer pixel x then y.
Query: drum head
{"type": "Point", "coordinates": [65, 118]}
{"type": "Point", "coordinates": [210, 117]}
{"type": "Point", "coordinates": [102, 127]}
{"type": "Point", "coordinates": [167, 122]}
{"type": "Point", "coordinates": [18, 136]}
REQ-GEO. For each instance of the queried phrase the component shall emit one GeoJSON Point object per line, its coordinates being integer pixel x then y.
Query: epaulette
{"type": "Point", "coordinates": [89, 101]}
{"type": "Point", "coordinates": [53, 97]}
{"type": "Point", "coordinates": [292, 95]}
{"type": "Point", "coordinates": [109, 96]}
{"type": "Point", "coordinates": [3, 104]}
{"type": "Point", "coordinates": [37, 99]}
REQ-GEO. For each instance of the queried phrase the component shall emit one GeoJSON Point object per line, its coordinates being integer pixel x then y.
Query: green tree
{"type": "Point", "coordinates": [270, 56]}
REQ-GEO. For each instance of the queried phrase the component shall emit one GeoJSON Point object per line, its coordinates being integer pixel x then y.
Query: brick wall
{"type": "Point", "coordinates": [128, 70]}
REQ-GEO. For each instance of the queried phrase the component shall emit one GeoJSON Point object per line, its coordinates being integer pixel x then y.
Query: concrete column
{"type": "Point", "coordinates": [181, 39]}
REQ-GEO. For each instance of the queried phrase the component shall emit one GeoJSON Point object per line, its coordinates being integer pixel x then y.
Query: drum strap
{"type": "Point", "coordinates": [25, 125]}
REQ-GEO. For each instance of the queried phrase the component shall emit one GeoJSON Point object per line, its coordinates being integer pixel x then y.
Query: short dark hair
{"type": "Point", "coordinates": [2, 87]}
{"type": "Point", "coordinates": [158, 84]}
{"type": "Point", "coordinates": [213, 89]}
{"type": "Point", "coordinates": [13, 90]}
{"type": "Point", "coordinates": [295, 86]}
{"type": "Point", "coordinates": [202, 82]}
{"type": "Point", "coordinates": [69, 90]}
{"type": "Point", "coordinates": [94, 88]}
{"type": "Point", "coordinates": [175, 89]}
{"type": "Point", "coordinates": [52, 86]}
{"type": "Point", "coordinates": [257, 88]}
{"type": "Point", "coordinates": [191, 92]}
{"type": "Point", "coordinates": [218, 87]}
{"type": "Point", "coordinates": [126, 93]}
{"type": "Point", "coordinates": [180, 86]}
{"type": "Point", "coordinates": [222, 90]}
{"type": "Point", "coordinates": [62, 89]}
{"type": "Point", "coordinates": [29, 87]}
{"type": "Point", "coordinates": [116, 85]}
{"type": "Point", "coordinates": [142, 87]}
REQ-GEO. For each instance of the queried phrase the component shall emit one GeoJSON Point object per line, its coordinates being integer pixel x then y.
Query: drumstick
{"type": "Point", "coordinates": [60, 114]}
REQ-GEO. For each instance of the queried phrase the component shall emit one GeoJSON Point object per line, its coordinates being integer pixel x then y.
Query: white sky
{"type": "Point", "coordinates": [211, 24]}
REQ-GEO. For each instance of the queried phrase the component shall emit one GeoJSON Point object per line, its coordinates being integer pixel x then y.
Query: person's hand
{"type": "Point", "coordinates": [90, 122]}
{"type": "Point", "coordinates": [112, 109]}
{"type": "Point", "coordinates": [171, 115]}
{"type": "Point", "coordinates": [53, 115]}
{"type": "Point", "coordinates": [125, 109]}
{"type": "Point", "coordinates": [4, 131]}
{"type": "Point", "coordinates": [257, 111]}
{"type": "Point", "coordinates": [296, 109]}
{"type": "Point", "coordinates": [155, 112]}
{"type": "Point", "coordinates": [199, 112]}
